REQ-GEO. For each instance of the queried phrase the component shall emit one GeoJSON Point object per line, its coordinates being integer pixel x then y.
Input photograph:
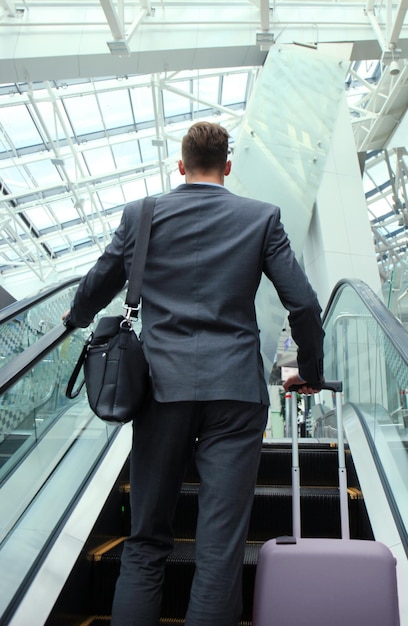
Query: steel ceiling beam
{"type": "Point", "coordinates": [9, 6]}
{"type": "Point", "coordinates": [115, 21]}
{"type": "Point", "coordinates": [398, 22]}
{"type": "Point", "coordinates": [169, 35]}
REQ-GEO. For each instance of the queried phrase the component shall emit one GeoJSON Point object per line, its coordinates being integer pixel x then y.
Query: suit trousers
{"type": "Point", "coordinates": [227, 438]}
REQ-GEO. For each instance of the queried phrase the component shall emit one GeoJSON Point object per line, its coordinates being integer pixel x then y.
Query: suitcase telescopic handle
{"type": "Point", "coordinates": [330, 385]}
{"type": "Point", "coordinates": [335, 386]}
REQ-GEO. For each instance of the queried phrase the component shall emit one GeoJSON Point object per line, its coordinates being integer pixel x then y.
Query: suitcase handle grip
{"type": "Point", "coordinates": [331, 385]}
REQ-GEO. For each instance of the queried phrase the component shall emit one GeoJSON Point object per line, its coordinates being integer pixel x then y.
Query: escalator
{"type": "Point", "coordinates": [52, 450]}
{"type": "Point", "coordinates": [64, 491]}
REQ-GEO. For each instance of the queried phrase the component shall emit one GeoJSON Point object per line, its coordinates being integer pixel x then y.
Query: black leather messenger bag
{"type": "Point", "coordinates": [116, 374]}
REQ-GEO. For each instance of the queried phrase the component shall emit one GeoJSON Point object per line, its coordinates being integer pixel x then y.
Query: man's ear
{"type": "Point", "coordinates": [181, 168]}
{"type": "Point", "coordinates": [227, 168]}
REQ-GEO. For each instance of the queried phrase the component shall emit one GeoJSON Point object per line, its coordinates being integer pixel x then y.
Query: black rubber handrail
{"type": "Point", "coordinates": [17, 308]}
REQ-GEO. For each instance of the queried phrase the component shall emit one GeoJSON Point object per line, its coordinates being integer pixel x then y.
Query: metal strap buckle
{"type": "Point", "coordinates": [131, 311]}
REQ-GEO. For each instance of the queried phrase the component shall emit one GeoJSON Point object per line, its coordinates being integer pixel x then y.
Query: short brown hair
{"type": "Point", "coordinates": [205, 147]}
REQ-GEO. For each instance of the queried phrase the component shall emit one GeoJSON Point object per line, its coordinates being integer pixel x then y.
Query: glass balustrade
{"type": "Point", "coordinates": [29, 408]}
{"type": "Point", "coordinates": [367, 348]}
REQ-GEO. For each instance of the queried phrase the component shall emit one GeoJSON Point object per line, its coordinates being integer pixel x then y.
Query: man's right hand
{"type": "Point", "coordinates": [303, 386]}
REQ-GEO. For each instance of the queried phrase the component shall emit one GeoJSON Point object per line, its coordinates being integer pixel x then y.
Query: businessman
{"type": "Point", "coordinates": [207, 252]}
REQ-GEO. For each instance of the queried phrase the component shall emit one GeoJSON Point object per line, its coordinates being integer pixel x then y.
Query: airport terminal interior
{"type": "Point", "coordinates": [95, 97]}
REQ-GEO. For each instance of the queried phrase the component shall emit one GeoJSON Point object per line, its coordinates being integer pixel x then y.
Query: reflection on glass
{"type": "Point", "coordinates": [31, 406]}
{"type": "Point", "coordinates": [23, 330]}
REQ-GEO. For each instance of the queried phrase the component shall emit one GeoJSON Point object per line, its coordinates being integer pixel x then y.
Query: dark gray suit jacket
{"type": "Point", "coordinates": [207, 251]}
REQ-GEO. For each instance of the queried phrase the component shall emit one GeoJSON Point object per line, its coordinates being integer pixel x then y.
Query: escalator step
{"type": "Point", "coordinates": [179, 573]}
{"type": "Point", "coordinates": [102, 620]}
{"type": "Point", "coordinates": [275, 464]}
{"type": "Point", "coordinates": [318, 467]}
{"type": "Point", "coordinates": [271, 512]}
{"type": "Point", "coordinates": [183, 552]}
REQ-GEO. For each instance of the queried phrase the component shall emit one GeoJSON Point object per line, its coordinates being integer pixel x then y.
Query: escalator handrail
{"type": "Point", "coordinates": [17, 308]}
{"type": "Point", "coordinates": [389, 324]}
{"type": "Point", "coordinates": [20, 364]}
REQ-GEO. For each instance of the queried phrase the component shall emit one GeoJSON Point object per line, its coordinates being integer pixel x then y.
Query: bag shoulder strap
{"type": "Point", "coordinates": [135, 284]}
{"type": "Point", "coordinates": [139, 254]}
{"type": "Point", "coordinates": [70, 393]}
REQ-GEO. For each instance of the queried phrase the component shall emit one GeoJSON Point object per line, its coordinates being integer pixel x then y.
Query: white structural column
{"type": "Point", "coordinates": [281, 152]}
{"type": "Point", "coordinates": [340, 242]}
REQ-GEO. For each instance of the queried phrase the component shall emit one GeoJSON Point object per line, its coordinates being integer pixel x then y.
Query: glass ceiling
{"type": "Point", "coordinates": [73, 152]}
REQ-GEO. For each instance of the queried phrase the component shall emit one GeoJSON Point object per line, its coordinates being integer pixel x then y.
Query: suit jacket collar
{"type": "Point", "coordinates": [200, 187]}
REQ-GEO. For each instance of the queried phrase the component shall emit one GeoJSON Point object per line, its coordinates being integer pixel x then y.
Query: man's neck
{"type": "Point", "coordinates": [202, 177]}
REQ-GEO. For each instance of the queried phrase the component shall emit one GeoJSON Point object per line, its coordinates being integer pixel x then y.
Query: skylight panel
{"type": "Point", "coordinates": [174, 150]}
{"type": "Point", "coordinates": [154, 185]}
{"type": "Point", "coordinates": [45, 173]}
{"type": "Point", "coordinates": [234, 88]}
{"type": "Point", "coordinates": [380, 207]}
{"type": "Point", "coordinates": [14, 180]}
{"type": "Point", "coordinates": [64, 210]}
{"type": "Point", "coordinates": [51, 113]}
{"type": "Point", "coordinates": [40, 217]}
{"type": "Point", "coordinates": [175, 104]}
{"type": "Point", "coordinates": [60, 245]}
{"type": "Point", "coordinates": [79, 237]}
{"type": "Point", "coordinates": [112, 222]}
{"type": "Point", "coordinates": [134, 190]}
{"type": "Point", "coordinates": [19, 126]}
{"type": "Point", "coordinates": [207, 89]}
{"type": "Point", "coordinates": [116, 109]}
{"type": "Point", "coordinates": [111, 197]}
{"type": "Point", "coordinates": [127, 154]}
{"type": "Point", "coordinates": [176, 179]}
{"type": "Point", "coordinates": [75, 167]}
{"type": "Point", "coordinates": [11, 255]}
{"type": "Point", "coordinates": [84, 114]}
{"type": "Point", "coordinates": [142, 103]}
{"type": "Point", "coordinates": [99, 160]}
{"type": "Point", "coordinates": [148, 150]}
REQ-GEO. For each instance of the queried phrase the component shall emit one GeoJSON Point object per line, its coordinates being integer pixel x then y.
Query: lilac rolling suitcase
{"type": "Point", "coordinates": [324, 582]}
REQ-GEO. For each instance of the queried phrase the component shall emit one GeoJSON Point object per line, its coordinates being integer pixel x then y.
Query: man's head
{"type": "Point", "coordinates": [204, 152]}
